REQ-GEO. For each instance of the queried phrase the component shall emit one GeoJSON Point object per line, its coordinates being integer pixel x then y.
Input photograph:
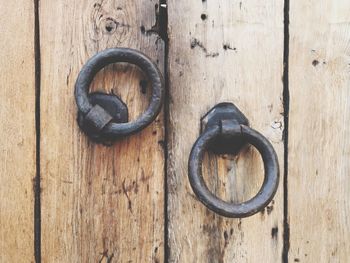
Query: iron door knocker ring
{"type": "Point", "coordinates": [103, 117]}
{"type": "Point", "coordinates": [225, 130]}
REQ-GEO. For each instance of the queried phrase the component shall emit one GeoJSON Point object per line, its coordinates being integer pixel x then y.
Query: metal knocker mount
{"type": "Point", "coordinates": [225, 130]}
{"type": "Point", "coordinates": [104, 117]}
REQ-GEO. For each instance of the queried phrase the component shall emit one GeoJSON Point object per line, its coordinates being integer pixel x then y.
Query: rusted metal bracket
{"type": "Point", "coordinates": [106, 108]}
{"type": "Point", "coordinates": [224, 113]}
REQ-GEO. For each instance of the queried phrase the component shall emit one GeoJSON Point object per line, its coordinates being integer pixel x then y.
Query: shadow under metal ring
{"type": "Point", "coordinates": [271, 168]}
{"type": "Point", "coordinates": [100, 119]}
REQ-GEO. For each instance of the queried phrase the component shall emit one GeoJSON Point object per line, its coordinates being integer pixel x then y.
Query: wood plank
{"type": "Point", "coordinates": [17, 135]}
{"type": "Point", "coordinates": [224, 51]}
{"type": "Point", "coordinates": [99, 204]}
{"type": "Point", "coordinates": [319, 142]}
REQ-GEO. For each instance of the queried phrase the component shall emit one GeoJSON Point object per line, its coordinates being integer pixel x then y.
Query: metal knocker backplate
{"type": "Point", "coordinates": [103, 117]}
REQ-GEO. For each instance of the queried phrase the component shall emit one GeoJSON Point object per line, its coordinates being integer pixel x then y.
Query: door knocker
{"type": "Point", "coordinates": [225, 130]}
{"type": "Point", "coordinates": [103, 117]}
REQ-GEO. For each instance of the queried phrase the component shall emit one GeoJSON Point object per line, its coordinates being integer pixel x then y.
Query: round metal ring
{"type": "Point", "coordinates": [271, 168]}
{"type": "Point", "coordinates": [115, 55]}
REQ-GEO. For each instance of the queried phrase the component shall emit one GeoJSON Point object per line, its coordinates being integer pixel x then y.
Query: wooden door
{"type": "Point", "coordinates": [285, 64]}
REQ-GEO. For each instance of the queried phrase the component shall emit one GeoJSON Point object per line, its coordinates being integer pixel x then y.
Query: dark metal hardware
{"type": "Point", "coordinates": [103, 117]}
{"type": "Point", "coordinates": [116, 109]}
{"type": "Point", "coordinates": [225, 130]}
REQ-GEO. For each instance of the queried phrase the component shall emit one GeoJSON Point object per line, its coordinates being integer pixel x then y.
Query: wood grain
{"type": "Point", "coordinates": [224, 51]}
{"type": "Point", "coordinates": [17, 134]}
{"type": "Point", "coordinates": [99, 204]}
{"type": "Point", "coordinates": [319, 142]}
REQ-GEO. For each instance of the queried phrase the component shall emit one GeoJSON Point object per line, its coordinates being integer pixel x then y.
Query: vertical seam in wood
{"type": "Point", "coordinates": [163, 33]}
{"type": "Point", "coordinates": [286, 232]}
{"type": "Point", "coordinates": [37, 187]}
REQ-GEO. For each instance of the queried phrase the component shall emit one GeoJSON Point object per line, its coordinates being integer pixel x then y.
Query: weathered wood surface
{"type": "Point", "coordinates": [319, 182]}
{"type": "Point", "coordinates": [99, 204]}
{"type": "Point", "coordinates": [224, 51]}
{"type": "Point", "coordinates": [17, 134]}
{"type": "Point", "coordinates": [106, 204]}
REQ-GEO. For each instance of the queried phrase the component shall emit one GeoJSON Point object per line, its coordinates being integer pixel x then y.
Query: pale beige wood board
{"type": "Point", "coordinates": [224, 51]}
{"type": "Point", "coordinates": [318, 177]}
{"type": "Point", "coordinates": [17, 134]}
{"type": "Point", "coordinates": [99, 204]}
